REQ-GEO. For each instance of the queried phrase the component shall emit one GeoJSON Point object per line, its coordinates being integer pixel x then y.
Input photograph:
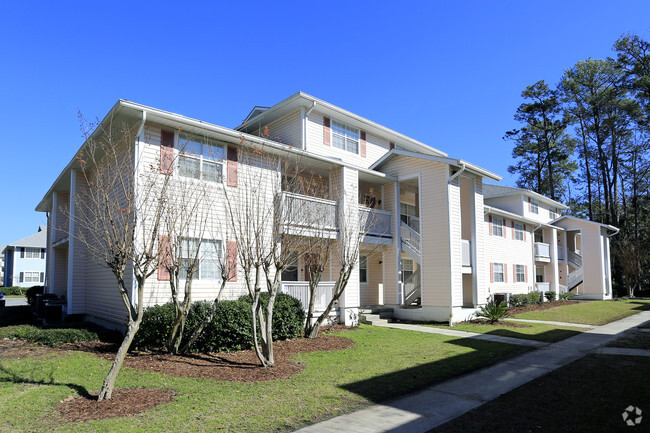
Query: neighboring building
{"type": "Point", "coordinates": [443, 244]}
{"type": "Point", "coordinates": [2, 264]}
{"type": "Point", "coordinates": [24, 261]}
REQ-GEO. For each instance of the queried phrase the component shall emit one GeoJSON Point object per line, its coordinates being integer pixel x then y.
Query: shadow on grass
{"type": "Point", "coordinates": [550, 336]}
{"type": "Point", "coordinates": [484, 353]}
{"type": "Point", "coordinates": [23, 379]}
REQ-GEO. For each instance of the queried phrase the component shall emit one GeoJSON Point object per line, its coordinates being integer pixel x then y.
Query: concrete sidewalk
{"type": "Point", "coordinates": [428, 408]}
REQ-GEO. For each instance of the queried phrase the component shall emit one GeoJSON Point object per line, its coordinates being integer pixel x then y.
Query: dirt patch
{"type": "Point", "coordinates": [544, 306]}
{"type": "Point", "coordinates": [500, 323]}
{"type": "Point", "coordinates": [18, 349]}
{"type": "Point", "coordinates": [124, 402]}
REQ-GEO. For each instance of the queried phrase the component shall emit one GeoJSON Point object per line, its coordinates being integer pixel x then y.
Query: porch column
{"type": "Point", "coordinates": [347, 195]}
{"type": "Point", "coordinates": [555, 274]}
{"type": "Point", "coordinates": [49, 266]}
{"type": "Point", "coordinates": [71, 240]}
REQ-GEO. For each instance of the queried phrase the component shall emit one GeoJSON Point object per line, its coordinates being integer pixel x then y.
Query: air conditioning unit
{"type": "Point", "coordinates": [501, 297]}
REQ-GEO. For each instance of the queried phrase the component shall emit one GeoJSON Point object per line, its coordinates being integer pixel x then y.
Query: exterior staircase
{"type": "Point", "coordinates": [577, 276]}
{"type": "Point", "coordinates": [375, 315]}
{"type": "Point", "coordinates": [413, 289]}
{"type": "Point", "coordinates": [411, 244]}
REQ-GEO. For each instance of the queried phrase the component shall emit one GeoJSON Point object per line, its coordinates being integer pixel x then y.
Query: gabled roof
{"type": "Point", "coordinates": [584, 221]}
{"type": "Point", "coordinates": [513, 216]}
{"type": "Point", "coordinates": [302, 100]}
{"type": "Point", "coordinates": [455, 162]}
{"type": "Point", "coordinates": [37, 240]}
{"type": "Point", "coordinates": [494, 191]}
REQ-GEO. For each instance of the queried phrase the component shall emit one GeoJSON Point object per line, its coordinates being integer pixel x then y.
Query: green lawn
{"type": "Point", "coordinates": [382, 364]}
{"type": "Point", "coordinates": [588, 395]}
{"type": "Point", "coordinates": [536, 331]}
{"type": "Point", "coordinates": [590, 313]}
{"type": "Point", "coordinates": [633, 339]}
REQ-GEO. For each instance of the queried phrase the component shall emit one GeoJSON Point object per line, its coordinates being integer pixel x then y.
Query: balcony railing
{"type": "Point", "coordinates": [300, 211]}
{"type": "Point", "coordinates": [542, 252]}
{"type": "Point", "coordinates": [543, 287]}
{"type": "Point", "coordinates": [300, 290]}
{"type": "Point", "coordinates": [466, 252]}
{"type": "Point", "coordinates": [375, 222]}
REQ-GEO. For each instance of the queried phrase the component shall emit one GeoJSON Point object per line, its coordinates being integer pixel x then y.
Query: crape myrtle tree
{"type": "Point", "coordinates": [118, 212]}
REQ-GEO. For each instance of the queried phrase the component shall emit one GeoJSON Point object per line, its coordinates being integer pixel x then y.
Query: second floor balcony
{"type": "Point", "coordinates": [542, 252]}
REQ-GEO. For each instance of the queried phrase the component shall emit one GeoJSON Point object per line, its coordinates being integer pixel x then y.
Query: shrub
{"type": "Point", "coordinates": [48, 337]}
{"type": "Point", "coordinates": [493, 312]}
{"type": "Point", "coordinates": [32, 292]}
{"type": "Point", "coordinates": [550, 296]}
{"type": "Point", "coordinates": [567, 296]}
{"type": "Point", "coordinates": [520, 300]}
{"type": "Point", "coordinates": [13, 290]}
{"type": "Point", "coordinates": [534, 297]}
{"type": "Point", "coordinates": [229, 330]}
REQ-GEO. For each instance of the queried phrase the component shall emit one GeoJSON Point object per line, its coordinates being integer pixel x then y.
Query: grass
{"type": "Point", "coordinates": [590, 313]}
{"type": "Point", "coordinates": [48, 337]}
{"type": "Point", "coordinates": [536, 331]}
{"type": "Point", "coordinates": [383, 363]}
{"type": "Point", "coordinates": [633, 339]}
{"type": "Point", "coordinates": [587, 395]}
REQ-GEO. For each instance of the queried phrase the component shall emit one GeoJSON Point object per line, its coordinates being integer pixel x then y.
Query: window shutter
{"type": "Point", "coordinates": [492, 272]}
{"type": "Point", "coordinates": [513, 229]}
{"type": "Point", "coordinates": [327, 135]}
{"type": "Point", "coordinates": [231, 260]}
{"type": "Point", "coordinates": [530, 206]}
{"type": "Point", "coordinates": [232, 166]}
{"type": "Point", "coordinates": [526, 272]}
{"type": "Point", "coordinates": [363, 143]}
{"type": "Point", "coordinates": [505, 227]}
{"type": "Point", "coordinates": [514, 273]}
{"type": "Point", "coordinates": [391, 145]}
{"type": "Point", "coordinates": [22, 254]}
{"type": "Point", "coordinates": [42, 253]}
{"type": "Point", "coordinates": [167, 152]}
{"type": "Point", "coordinates": [505, 273]}
{"type": "Point", "coordinates": [164, 258]}
{"type": "Point", "coordinates": [524, 232]}
{"type": "Point", "coordinates": [42, 276]}
{"type": "Point", "coordinates": [21, 277]}
{"type": "Point", "coordinates": [490, 219]}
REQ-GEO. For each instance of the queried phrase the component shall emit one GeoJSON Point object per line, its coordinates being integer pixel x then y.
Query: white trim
{"type": "Point", "coordinates": [71, 240]}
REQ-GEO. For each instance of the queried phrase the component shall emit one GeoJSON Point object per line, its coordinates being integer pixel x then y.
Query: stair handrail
{"type": "Point", "coordinates": [410, 237]}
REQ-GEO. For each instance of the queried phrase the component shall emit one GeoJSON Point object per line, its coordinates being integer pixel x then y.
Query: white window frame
{"type": "Point", "coordinates": [204, 258]}
{"type": "Point", "coordinates": [497, 228]}
{"type": "Point", "coordinates": [28, 277]}
{"type": "Point", "coordinates": [519, 231]}
{"type": "Point", "coordinates": [520, 273]}
{"type": "Point", "coordinates": [499, 276]}
{"type": "Point", "coordinates": [534, 206]}
{"type": "Point", "coordinates": [32, 253]}
{"type": "Point", "coordinates": [350, 134]}
{"type": "Point", "coordinates": [408, 265]}
{"type": "Point", "coordinates": [183, 139]}
{"type": "Point", "coordinates": [363, 265]}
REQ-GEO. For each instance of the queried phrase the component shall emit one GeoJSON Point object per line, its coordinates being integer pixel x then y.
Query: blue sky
{"type": "Point", "coordinates": [448, 74]}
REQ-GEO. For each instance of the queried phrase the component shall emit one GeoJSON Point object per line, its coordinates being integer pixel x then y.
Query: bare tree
{"type": "Point", "coordinates": [119, 206]}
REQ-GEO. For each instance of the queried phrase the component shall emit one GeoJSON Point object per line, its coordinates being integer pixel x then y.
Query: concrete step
{"type": "Point", "coordinates": [373, 319]}
{"type": "Point", "coordinates": [375, 309]}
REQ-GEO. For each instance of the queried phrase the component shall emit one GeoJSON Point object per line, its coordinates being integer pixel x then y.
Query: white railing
{"type": "Point", "coordinates": [412, 288]}
{"type": "Point", "coordinates": [543, 287]}
{"type": "Point", "coordinates": [542, 250]}
{"type": "Point", "coordinates": [409, 236]}
{"type": "Point", "coordinates": [375, 222]}
{"type": "Point", "coordinates": [466, 252]}
{"type": "Point", "coordinates": [300, 290]}
{"type": "Point", "coordinates": [305, 211]}
{"type": "Point", "coordinates": [576, 277]}
{"type": "Point", "coordinates": [575, 260]}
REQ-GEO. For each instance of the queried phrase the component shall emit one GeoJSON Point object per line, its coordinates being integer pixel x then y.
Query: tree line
{"type": "Point", "coordinates": [585, 142]}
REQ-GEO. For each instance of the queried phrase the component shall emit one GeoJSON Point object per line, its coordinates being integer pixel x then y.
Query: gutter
{"type": "Point", "coordinates": [458, 173]}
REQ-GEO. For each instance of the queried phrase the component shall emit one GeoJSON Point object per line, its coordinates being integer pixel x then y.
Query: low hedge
{"type": "Point", "coordinates": [48, 337]}
{"type": "Point", "coordinates": [13, 290]}
{"type": "Point", "coordinates": [229, 330]}
{"type": "Point", "coordinates": [523, 299]}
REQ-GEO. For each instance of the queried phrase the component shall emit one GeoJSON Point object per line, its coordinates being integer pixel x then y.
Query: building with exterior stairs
{"type": "Point", "coordinates": [436, 241]}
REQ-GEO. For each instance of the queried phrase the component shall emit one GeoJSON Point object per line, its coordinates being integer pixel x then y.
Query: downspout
{"type": "Point", "coordinates": [303, 124]}
{"type": "Point", "coordinates": [451, 286]}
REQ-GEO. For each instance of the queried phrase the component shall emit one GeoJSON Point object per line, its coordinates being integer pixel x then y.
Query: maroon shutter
{"type": "Point", "coordinates": [490, 219]}
{"type": "Point", "coordinates": [505, 227]}
{"type": "Point", "coordinates": [526, 272]}
{"type": "Point", "coordinates": [530, 206]}
{"type": "Point", "coordinates": [391, 145]}
{"type": "Point", "coordinates": [363, 144]}
{"type": "Point", "coordinates": [232, 166]}
{"type": "Point", "coordinates": [492, 272]}
{"type": "Point", "coordinates": [327, 134]}
{"type": "Point", "coordinates": [505, 273]}
{"type": "Point", "coordinates": [524, 232]}
{"type": "Point", "coordinates": [514, 273]}
{"type": "Point", "coordinates": [513, 229]}
{"type": "Point", "coordinates": [167, 152]}
{"type": "Point", "coordinates": [231, 260]}
{"type": "Point", "coordinates": [164, 258]}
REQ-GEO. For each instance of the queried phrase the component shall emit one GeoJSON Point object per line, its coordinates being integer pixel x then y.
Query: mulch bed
{"type": "Point", "coordinates": [240, 366]}
{"type": "Point", "coordinates": [544, 306]}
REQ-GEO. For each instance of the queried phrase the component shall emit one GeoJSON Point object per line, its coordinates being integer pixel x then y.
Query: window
{"type": "Point", "coordinates": [291, 271]}
{"type": "Point", "coordinates": [200, 158]}
{"type": "Point", "coordinates": [345, 137]}
{"type": "Point", "coordinates": [553, 213]}
{"type": "Point", "coordinates": [534, 206]}
{"type": "Point", "coordinates": [520, 273]}
{"type": "Point", "coordinates": [498, 272]}
{"type": "Point", "coordinates": [32, 253]}
{"type": "Point", "coordinates": [519, 231]}
{"type": "Point", "coordinates": [32, 277]}
{"type": "Point", "coordinates": [539, 274]}
{"type": "Point", "coordinates": [208, 252]}
{"type": "Point", "coordinates": [363, 269]}
{"type": "Point", "coordinates": [407, 269]}
{"type": "Point", "coordinates": [409, 215]}
{"type": "Point", "coordinates": [497, 226]}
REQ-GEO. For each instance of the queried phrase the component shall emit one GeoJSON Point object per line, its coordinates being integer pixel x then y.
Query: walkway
{"type": "Point", "coordinates": [428, 408]}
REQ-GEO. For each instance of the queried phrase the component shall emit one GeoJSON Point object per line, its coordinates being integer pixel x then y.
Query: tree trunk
{"type": "Point", "coordinates": [197, 333]}
{"type": "Point", "coordinates": [109, 383]}
{"type": "Point", "coordinates": [341, 283]}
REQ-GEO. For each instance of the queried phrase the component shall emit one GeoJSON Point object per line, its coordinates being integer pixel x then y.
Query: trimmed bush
{"type": "Point", "coordinates": [534, 297]}
{"type": "Point", "coordinates": [48, 337]}
{"type": "Point", "coordinates": [567, 296]}
{"type": "Point", "coordinates": [13, 290]}
{"type": "Point", "coordinates": [229, 330]}
{"type": "Point", "coordinates": [550, 296]}
{"type": "Point", "coordinates": [493, 312]}
{"type": "Point", "coordinates": [32, 292]}
{"type": "Point", "coordinates": [520, 300]}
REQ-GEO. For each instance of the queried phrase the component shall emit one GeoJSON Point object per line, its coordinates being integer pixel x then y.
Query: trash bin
{"type": "Point", "coordinates": [501, 297]}
{"type": "Point", "coordinates": [54, 310]}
